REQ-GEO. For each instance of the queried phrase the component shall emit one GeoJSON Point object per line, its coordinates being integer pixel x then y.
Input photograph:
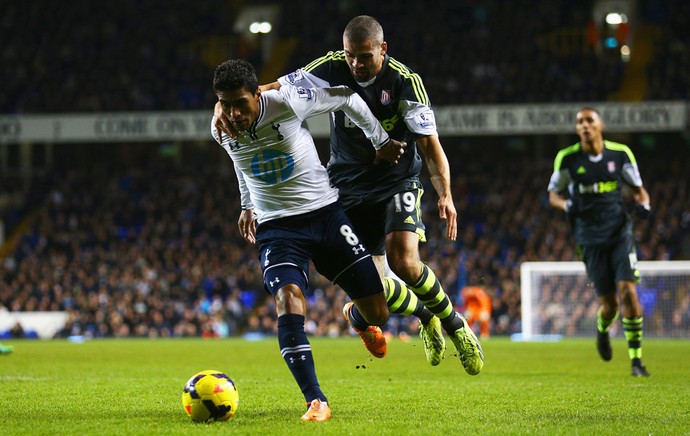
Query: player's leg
{"type": "Point", "coordinates": [606, 315]}
{"type": "Point", "coordinates": [400, 299]}
{"type": "Point", "coordinates": [369, 222]}
{"type": "Point", "coordinates": [633, 323]}
{"type": "Point", "coordinates": [601, 275]}
{"type": "Point", "coordinates": [342, 257]}
{"type": "Point", "coordinates": [284, 262]}
{"type": "Point", "coordinates": [296, 349]}
{"type": "Point", "coordinates": [624, 257]}
{"type": "Point", "coordinates": [403, 301]}
{"type": "Point", "coordinates": [404, 231]}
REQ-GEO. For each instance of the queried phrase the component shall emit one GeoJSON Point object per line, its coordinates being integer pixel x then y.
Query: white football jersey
{"type": "Point", "coordinates": [276, 162]}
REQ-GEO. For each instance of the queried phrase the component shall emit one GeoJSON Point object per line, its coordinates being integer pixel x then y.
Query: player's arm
{"type": "Point", "coordinates": [247, 225]}
{"type": "Point", "coordinates": [558, 201]}
{"type": "Point", "coordinates": [420, 120]}
{"type": "Point", "coordinates": [389, 151]}
{"type": "Point", "coordinates": [439, 173]}
{"type": "Point", "coordinates": [270, 86]}
{"type": "Point", "coordinates": [246, 222]}
{"type": "Point", "coordinates": [221, 122]}
{"type": "Point", "coordinates": [356, 109]}
{"type": "Point", "coordinates": [641, 197]}
{"type": "Point", "coordinates": [558, 186]}
{"type": "Point", "coordinates": [631, 176]}
{"type": "Point", "coordinates": [307, 102]}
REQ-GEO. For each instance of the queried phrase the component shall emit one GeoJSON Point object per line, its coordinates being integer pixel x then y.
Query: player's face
{"type": "Point", "coordinates": [240, 106]}
{"type": "Point", "coordinates": [365, 59]}
{"type": "Point", "coordinates": [589, 125]}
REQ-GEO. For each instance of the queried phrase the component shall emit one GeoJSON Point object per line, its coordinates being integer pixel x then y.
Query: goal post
{"type": "Point", "coordinates": [558, 301]}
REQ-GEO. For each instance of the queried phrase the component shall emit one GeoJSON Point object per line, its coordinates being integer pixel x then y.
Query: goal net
{"type": "Point", "coordinates": [558, 301]}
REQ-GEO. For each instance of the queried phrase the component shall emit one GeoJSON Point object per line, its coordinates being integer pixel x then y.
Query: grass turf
{"type": "Point", "coordinates": [134, 387]}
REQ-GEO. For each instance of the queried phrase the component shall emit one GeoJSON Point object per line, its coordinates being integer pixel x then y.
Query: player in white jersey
{"type": "Point", "coordinates": [284, 186]}
{"type": "Point", "coordinates": [383, 201]}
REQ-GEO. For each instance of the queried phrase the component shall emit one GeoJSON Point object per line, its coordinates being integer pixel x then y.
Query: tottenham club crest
{"type": "Point", "coordinates": [385, 96]}
{"type": "Point", "coordinates": [612, 166]}
{"type": "Point", "coordinates": [305, 93]}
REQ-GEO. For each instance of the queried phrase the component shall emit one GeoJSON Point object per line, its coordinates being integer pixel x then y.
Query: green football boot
{"type": "Point", "coordinates": [469, 350]}
{"type": "Point", "coordinates": [434, 342]}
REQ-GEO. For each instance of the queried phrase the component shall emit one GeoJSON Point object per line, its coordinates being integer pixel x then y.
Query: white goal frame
{"type": "Point", "coordinates": [574, 269]}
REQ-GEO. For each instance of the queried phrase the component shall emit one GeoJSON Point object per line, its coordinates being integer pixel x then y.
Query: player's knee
{"type": "Point", "coordinates": [609, 306]}
{"type": "Point", "coordinates": [628, 291]}
{"type": "Point", "coordinates": [406, 267]}
{"type": "Point", "coordinates": [290, 299]}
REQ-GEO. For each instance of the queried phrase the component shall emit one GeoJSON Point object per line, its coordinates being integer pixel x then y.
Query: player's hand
{"type": "Point", "coordinates": [247, 226]}
{"type": "Point", "coordinates": [643, 211]}
{"type": "Point", "coordinates": [222, 123]}
{"type": "Point", "coordinates": [391, 152]}
{"type": "Point", "coordinates": [447, 213]}
{"type": "Point", "coordinates": [573, 206]}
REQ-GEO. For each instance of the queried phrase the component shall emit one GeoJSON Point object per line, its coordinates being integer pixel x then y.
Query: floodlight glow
{"type": "Point", "coordinates": [265, 27]}
{"type": "Point", "coordinates": [615, 18]}
{"type": "Point", "coordinates": [260, 27]}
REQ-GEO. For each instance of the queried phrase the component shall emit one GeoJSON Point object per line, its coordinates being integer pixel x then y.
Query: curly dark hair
{"type": "Point", "coordinates": [234, 74]}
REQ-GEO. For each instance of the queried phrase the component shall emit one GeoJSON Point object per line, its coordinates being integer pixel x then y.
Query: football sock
{"type": "Point", "coordinates": [633, 333]}
{"type": "Point", "coordinates": [403, 302]}
{"type": "Point", "coordinates": [431, 294]}
{"type": "Point", "coordinates": [604, 324]}
{"type": "Point", "coordinates": [357, 319]}
{"type": "Point", "coordinates": [296, 351]}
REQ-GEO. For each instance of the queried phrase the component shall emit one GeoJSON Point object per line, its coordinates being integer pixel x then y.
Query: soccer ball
{"type": "Point", "coordinates": [210, 396]}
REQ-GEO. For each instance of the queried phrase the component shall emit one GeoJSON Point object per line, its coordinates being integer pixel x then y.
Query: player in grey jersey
{"type": "Point", "coordinates": [587, 184]}
{"type": "Point", "coordinates": [383, 201]}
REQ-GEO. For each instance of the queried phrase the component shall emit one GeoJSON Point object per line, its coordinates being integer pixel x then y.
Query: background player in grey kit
{"type": "Point", "coordinates": [587, 184]}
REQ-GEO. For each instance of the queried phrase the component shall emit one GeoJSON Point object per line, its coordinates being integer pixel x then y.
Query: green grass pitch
{"type": "Point", "coordinates": [134, 387]}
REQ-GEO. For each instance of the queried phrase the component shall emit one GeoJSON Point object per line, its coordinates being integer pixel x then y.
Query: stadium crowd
{"type": "Point", "coordinates": [154, 251]}
{"type": "Point", "coordinates": [139, 56]}
{"type": "Point", "coordinates": [151, 248]}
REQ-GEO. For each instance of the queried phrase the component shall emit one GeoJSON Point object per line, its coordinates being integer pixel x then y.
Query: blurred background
{"type": "Point", "coordinates": [124, 233]}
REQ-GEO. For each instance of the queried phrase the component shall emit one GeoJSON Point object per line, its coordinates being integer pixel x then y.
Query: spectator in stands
{"type": "Point", "coordinates": [40, 263]}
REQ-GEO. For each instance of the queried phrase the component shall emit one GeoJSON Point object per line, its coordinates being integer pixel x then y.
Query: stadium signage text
{"type": "Point", "coordinates": [533, 119]}
{"type": "Point", "coordinates": [544, 119]}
